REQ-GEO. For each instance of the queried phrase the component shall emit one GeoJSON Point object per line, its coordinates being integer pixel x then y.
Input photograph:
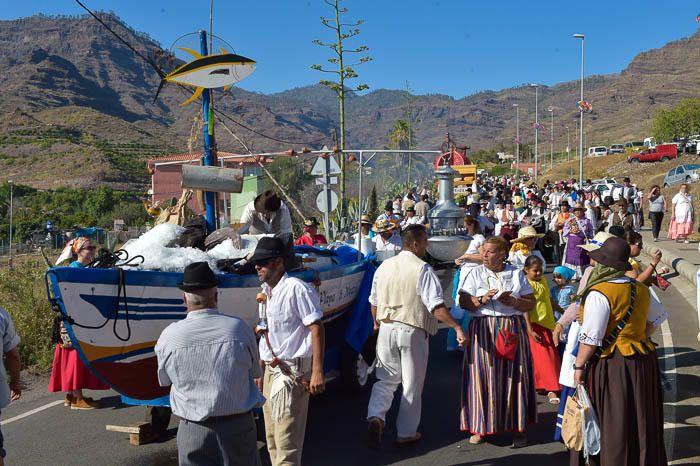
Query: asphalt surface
{"type": "Point", "coordinates": [336, 430]}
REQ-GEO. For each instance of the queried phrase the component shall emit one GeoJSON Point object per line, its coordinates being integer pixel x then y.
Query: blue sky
{"type": "Point", "coordinates": [454, 47]}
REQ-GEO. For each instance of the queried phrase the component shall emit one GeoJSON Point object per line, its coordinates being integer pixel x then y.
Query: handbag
{"type": "Point", "coordinates": [660, 281]}
{"type": "Point", "coordinates": [506, 343]}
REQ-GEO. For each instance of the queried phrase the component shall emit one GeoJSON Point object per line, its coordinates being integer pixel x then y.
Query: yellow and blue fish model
{"type": "Point", "coordinates": [209, 72]}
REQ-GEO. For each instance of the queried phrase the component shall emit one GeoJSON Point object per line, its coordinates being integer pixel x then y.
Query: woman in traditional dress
{"type": "Point", "coordinates": [682, 215]}
{"type": "Point", "coordinates": [498, 392]}
{"type": "Point", "coordinates": [470, 259]}
{"type": "Point", "coordinates": [507, 220]}
{"type": "Point", "coordinates": [68, 373]}
{"type": "Point", "coordinates": [577, 231]}
{"type": "Point", "coordinates": [619, 368]}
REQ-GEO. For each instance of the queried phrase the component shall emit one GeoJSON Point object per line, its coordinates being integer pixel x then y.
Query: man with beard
{"type": "Point", "coordinates": [291, 351]}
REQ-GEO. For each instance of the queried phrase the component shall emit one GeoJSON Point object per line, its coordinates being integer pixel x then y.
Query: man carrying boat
{"type": "Point", "coordinates": [291, 351]}
{"type": "Point", "coordinates": [407, 303]}
{"type": "Point", "coordinates": [211, 361]}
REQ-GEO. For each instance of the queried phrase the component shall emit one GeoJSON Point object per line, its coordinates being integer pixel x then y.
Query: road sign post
{"type": "Point", "coordinates": [327, 200]}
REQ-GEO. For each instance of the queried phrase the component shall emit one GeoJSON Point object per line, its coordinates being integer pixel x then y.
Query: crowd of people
{"type": "Point", "coordinates": [521, 335]}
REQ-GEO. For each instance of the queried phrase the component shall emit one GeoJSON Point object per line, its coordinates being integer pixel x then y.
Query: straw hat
{"type": "Point", "coordinates": [596, 242]}
{"type": "Point", "coordinates": [365, 220]}
{"type": "Point", "coordinates": [526, 233]}
{"type": "Point", "coordinates": [383, 225]}
{"type": "Point", "coordinates": [311, 222]}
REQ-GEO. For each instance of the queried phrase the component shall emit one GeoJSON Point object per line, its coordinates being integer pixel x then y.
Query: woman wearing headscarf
{"type": "Point", "coordinates": [498, 392]}
{"type": "Point", "coordinates": [577, 230]}
{"type": "Point", "coordinates": [68, 373]}
{"type": "Point", "coordinates": [617, 362]}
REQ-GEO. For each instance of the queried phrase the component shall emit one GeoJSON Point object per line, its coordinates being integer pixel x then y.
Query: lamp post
{"type": "Point", "coordinates": [580, 163]}
{"type": "Point", "coordinates": [517, 141]}
{"type": "Point", "coordinates": [537, 131]}
{"type": "Point", "coordinates": [11, 195]}
{"type": "Point", "coordinates": [568, 152]}
{"type": "Point", "coordinates": [551, 139]}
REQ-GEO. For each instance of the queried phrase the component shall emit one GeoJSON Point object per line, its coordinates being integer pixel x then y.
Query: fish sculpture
{"type": "Point", "coordinates": [209, 72]}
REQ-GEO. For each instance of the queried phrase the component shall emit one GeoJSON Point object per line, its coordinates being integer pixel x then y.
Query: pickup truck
{"type": "Point", "coordinates": [660, 153]}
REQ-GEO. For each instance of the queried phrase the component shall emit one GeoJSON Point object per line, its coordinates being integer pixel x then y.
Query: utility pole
{"type": "Point", "coordinates": [517, 141]}
{"type": "Point", "coordinates": [551, 140]}
{"type": "Point", "coordinates": [11, 194]}
{"type": "Point", "coordinates": [568, 152]}
{"type": "Point", "coordinates": [580, 168]}
{"type": "Point", "coordinates": [537, 131]}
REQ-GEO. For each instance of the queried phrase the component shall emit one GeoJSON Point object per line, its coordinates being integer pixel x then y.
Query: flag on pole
{"type": "Point", "coordinates": [538, 126]}
{"type": "Point", "coordinates": [697, 18]}
{"type": "Point", "coordinates": [584, 106]}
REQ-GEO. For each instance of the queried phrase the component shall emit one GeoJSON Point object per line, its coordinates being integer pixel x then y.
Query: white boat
{"type": "Point", "coordinates": [115, 316]}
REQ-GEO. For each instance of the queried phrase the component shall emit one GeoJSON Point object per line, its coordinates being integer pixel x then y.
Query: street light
{"type": "Point", "coordinates": [517, 141]}
{"type": "Point", "coordinates": [537, 130]}
{"type": "Point", "coordinates": [551, 139]}
{"type": "Point", "coordinates": [11, 193]}
{"type": "Point", "coordinates": [580, 166]}
{"type": "Point", "coordinates": [568, 152]}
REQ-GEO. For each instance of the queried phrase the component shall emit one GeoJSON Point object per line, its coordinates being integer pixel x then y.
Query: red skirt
{"type": "Point", "coordinates": [545, 360]}
{"type": "Point", "coordinates": [68, 373]}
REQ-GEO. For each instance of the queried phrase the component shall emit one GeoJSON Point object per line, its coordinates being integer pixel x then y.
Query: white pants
{"type": "Point", "coordinates": [402, 358]}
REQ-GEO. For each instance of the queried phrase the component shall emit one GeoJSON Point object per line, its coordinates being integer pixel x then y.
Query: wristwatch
{"type": "Point", "coordinates": [579, 368]}
{"type": "Point", "coordinates": [480, 300]}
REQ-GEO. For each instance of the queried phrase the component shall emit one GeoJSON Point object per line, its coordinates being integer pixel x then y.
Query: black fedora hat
{"type": "Point", "coordinates": [197, 276]}
{"type": "Point", "coordinates": [615, 253]}
{"type": "Point", "coordinates": [267, 248]}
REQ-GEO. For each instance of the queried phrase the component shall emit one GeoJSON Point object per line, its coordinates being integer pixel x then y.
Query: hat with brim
{"type": "Point", "coordinates": [578, 206]}
{"type": "Point", "coordinates": [410, 209]}
{"type": "Point", "coordinates": [267, 248]}
{"type": "Point", "coordinates": [311, 222]}
{"type": "Point", "coordinates": [389, 206]}
{"type": "Point", "coordinates": [365, 220]}
{"type": "Point", "coordinates": [597, 241]}
{"type": "Point", "coordinates": [197, 276]}
{"type": "Point", "coordinates": [526, 233]}
{"type": "Point", "coordinates": [382, 225]}
{"type": "Point", "coordinates": [615, 253]}
{"type": "Point", "coordinates": [622, 202]}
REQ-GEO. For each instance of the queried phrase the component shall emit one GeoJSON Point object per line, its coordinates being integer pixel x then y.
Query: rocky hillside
{"type": "Point", "coordinates": [76, 98]}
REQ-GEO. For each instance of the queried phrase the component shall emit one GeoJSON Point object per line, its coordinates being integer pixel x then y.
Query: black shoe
{"type": "Point", "coordinates": [375, 430]}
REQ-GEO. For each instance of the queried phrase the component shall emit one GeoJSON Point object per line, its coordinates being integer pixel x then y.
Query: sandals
{"type": "Point", "coordinates": [553, 398]}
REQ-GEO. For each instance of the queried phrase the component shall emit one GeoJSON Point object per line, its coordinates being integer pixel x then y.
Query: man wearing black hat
{"type": "Point", "coordinates": [389, 214]}
{"type": "Point", "coordinates": [291, 351]}
{"type": "Point", "coordinates": [626, 192]}
{"type": "Point", "coordinates": [211, 362]}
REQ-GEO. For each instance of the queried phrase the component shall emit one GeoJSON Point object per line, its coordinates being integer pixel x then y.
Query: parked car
{"type": "Point", "coordinates": [606, 180]}
{"type": "Point", "coordinates": [605, 189]}
{"type": "Point", "coordinates": [597, 151]}
{"type": "Point", "coordinates": [633, 146]}
{"type": "Point", "coordinates": [682, 174]}
{"type": "Point", "coordinates": [660, 153]}
{"type": "Point", "coordinates": [617, 149]}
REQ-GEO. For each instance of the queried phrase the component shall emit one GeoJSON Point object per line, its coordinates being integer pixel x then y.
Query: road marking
{"type": "Point", "coordinates": [33, 411]}
{"type": "Point", "coordinates": [670, 367]}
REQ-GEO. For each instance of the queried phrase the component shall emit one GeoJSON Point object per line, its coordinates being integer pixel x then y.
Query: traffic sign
{"type": "Point", "coordinates": [319, 168]}
{"type": "Point", "coordinates": [322, 181]}
{"type": "Point", "coordinates": [321, 201]}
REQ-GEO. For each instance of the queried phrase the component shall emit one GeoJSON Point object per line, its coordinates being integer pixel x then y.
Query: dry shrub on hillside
{"type": "Point", "coordinates": [22, 294]}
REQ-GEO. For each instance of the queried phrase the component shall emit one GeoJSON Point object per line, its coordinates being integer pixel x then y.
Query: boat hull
{"type": "Point", "coordinates": [115, 328]}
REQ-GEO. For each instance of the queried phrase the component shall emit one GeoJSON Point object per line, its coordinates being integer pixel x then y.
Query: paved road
{"type": "Point", "coordinates": [336, 428]}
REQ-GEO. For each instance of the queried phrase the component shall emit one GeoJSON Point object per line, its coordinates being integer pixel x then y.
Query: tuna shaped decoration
{"type": "Point", "coordinates": [211, 71]}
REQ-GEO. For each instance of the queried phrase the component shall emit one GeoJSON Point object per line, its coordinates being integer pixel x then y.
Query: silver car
{"type": "Point", "coordinates": [682, 174]}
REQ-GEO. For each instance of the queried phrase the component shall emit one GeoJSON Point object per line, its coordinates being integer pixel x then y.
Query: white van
{"type": "Point", "coordinates": [597, 151]}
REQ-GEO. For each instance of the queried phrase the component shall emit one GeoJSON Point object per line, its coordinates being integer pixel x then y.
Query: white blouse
{"type": "Point", "coordinates": [480, 280]}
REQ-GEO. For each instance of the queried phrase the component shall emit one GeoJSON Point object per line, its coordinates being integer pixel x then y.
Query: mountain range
{"type": "Point", "coordinates": [76, 106]}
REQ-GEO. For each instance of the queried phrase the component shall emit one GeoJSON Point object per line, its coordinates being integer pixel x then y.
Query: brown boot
{"type": "Point", "coordinates": [82, 403]}
{"type": "Point", "coordinates": [375, 430]}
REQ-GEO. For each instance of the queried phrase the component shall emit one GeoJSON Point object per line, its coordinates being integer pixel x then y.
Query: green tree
{"type": "Point", "coordinates": [343, 71]}
{"type": "Point", "coordinates": [677, 122]}
{"type": "Point", "coordinates": [372, 205]}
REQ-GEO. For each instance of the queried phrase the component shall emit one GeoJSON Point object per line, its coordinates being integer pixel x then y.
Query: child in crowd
{"type": "Point", "coordinates": [563, 291]}
{"type": "Point", "coordinates": [540, 323]}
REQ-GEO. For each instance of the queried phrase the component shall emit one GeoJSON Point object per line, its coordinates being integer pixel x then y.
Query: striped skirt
{"type": "Point", "coordinates": [497, 395]}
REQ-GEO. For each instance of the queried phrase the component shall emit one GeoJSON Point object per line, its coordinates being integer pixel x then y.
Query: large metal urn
{"type": "Point", "coordinates": [447, 237]}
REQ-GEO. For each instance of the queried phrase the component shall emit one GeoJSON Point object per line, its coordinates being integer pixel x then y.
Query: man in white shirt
{"type": "Point", "coordinates": [267, 214]}
{"type": "Point", "coordinates": [210, 360]}
{"type": "Point", "coordinates": [411, 218]}
{"type": "Point", "coordinates": [291, 350]}
{"type": "Point", "coordinates": [407, 303]}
